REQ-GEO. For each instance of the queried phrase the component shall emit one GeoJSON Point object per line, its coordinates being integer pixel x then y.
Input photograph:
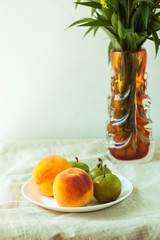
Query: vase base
{"type": "Point", "coordinates": [143, 160]}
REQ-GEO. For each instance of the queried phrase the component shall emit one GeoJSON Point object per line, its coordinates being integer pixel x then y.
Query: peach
{"type": "Point", "coordinates": [73, 188]}
{"type": "Point", "coordinates": [45, 172]}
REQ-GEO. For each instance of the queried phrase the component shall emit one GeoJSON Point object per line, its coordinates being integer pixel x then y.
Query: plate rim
{"type": "Point", "coordinates": [78, 209]}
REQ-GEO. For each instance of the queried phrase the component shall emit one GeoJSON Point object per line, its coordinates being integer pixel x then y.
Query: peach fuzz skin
{"type": "Point", "coordinates": [73, 188]}
{"type": "Point", "coordinates": [45, 172]}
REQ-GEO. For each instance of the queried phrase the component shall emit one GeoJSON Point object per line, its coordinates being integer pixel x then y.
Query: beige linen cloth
{"type": "Point", "coordinates": [136, 217]}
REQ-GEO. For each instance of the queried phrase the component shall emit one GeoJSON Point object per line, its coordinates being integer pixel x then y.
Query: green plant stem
{"type": "Point", "coordinates": [104, 171]}
{"type": "Point", "coordinates": [101, 162]}
{"type": "Point", "coordinates": [128, 14]}
{"type": "Point", "coordinates": [76, 159]}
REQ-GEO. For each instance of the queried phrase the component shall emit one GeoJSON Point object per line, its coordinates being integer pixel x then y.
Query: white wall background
{"type": "Point", "coordinates": [53, 83]}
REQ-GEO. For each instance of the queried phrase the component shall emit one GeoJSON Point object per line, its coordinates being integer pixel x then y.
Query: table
{"type": "Point", "coordinates": [137, 217]}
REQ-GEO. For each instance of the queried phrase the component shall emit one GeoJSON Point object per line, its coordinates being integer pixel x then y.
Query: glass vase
{"type": "Point", "coordinates": [129, 127]}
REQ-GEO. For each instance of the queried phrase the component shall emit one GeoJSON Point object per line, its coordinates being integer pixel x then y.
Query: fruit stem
{"type": "Point", "coordinates": [104, 170]}
{"type": "Point", "coordinates": [101, 162]}
{"type": "Point", "coordinates": [76, 159]}
{"type": "Point", "coordinates": [98, 165]}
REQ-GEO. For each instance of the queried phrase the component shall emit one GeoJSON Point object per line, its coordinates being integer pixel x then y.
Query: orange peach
{"type": "Point", "coordinates": [45, 172]}
{"type": "Point", "coordinates": [73, 188]}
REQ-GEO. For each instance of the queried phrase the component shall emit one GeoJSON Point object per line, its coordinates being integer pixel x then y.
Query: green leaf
{"type": "Point", "coordinates": [135, 18]}
{"type": "Point", "coordinates": [99, 16]}
{"type": "Point", "coordinates": [76, 4]}
{"type": "Point", "coordinates": [151, 38]}
{"type": "Point", "coordinates": [144, 33]}
{"type": "Point", "coordinates": [156, 3]}
{"type": "Point", "coordinates": [156, 40]}
{"type": "Point", "coordinates": [80, 21]}
{"type": "Point", "coordinates": [110, 47]}
{"type": "Point", "coordinates": [155, 25]}
{"type": "Point", "coordinates": [89, 30]}
{"type": "Point", "coordinates": [140, 41]}
{"type": "Point", "coordinates": [125, 4]}
{"type": "Point", "coordinates": [145, 14]}
{"type": "Point", "coordinates": [134, 41]}
{"type": "Point", "coordinates": [95, 31]}
{"type": "Point", "coordinates": [90, 4]}
{"type": "Point", "coordinates": [106, 13]}
{"type": "Point", "coordinates": [114, 39]}
{"type": "Point", "coordinates": [112, 30]}
{"type": "Point", "coordinates": [112, 4]}
{"type": "Point", "coordinates": [93, 10]}
{"type": "Point", "coordinates": [114, 21]}
{"type": "Point", "coordinates": [131, 42]}
{"type": "Point", "coordinates": [135, 2]}
{"type": "Point", "coordinates": [120, 28]}
{"type": "Point", "coordinates": [126, 32]}
{"type": "Point", "coordinates": [156, 6]}
{"type": "Point", "coordinates": [95, 23]}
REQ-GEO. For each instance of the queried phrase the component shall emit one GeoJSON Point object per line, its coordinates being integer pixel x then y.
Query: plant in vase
{"type": "Point", "coordinates": [128, 24]}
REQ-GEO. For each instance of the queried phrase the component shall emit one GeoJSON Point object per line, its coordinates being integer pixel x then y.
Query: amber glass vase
{"type": "Point", "coordinates": [129, 127]}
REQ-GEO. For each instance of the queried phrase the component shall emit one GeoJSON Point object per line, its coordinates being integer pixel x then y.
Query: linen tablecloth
{"type": "Point", "coordinates": [136, 217]}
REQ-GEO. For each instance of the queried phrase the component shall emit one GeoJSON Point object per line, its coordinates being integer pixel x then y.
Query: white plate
{"type": "Point", "coordinates": [30, 192]}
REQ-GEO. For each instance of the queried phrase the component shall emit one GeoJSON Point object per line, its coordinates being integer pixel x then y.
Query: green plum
{"type": "Point", "coordinates": [97, 171]}
{"type": "Point", "coordinates": [78, 164]}
{"type": "Point", "coordinates": [107, 187]}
